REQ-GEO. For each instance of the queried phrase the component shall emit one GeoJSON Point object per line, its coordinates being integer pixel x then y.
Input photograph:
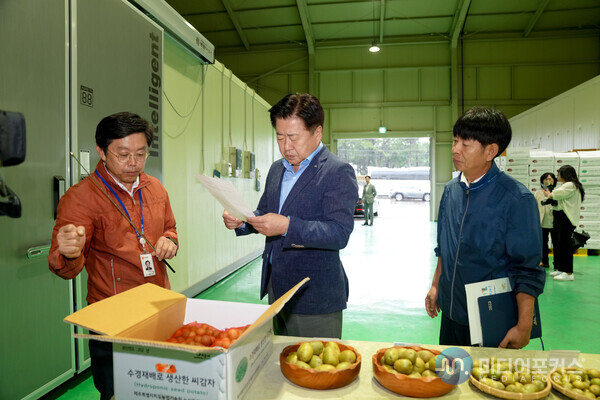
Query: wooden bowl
{"type": "Point", "coordinates": [503, 394]}
{"type": "Point", "coordinates": [569, 393]}
{"type": "Point", "coordinates": [313, 379]}
{"type": "Point", "coordinates": [413, 387]}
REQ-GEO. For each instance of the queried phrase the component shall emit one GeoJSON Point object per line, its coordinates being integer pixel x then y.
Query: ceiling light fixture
{"type": "Point", "coordinates": [374, 47]}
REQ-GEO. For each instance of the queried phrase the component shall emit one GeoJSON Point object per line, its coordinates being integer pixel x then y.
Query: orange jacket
{"type": "Point", "coordinates": [111, 254]}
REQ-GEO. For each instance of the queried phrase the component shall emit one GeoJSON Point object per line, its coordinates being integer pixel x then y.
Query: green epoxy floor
{"type": "Point", "coordinates": [389, 266]}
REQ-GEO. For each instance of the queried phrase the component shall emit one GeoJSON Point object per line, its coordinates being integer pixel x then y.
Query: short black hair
{"type": "Point", "coordinates": [120, 125]}
{"type": "Point", "coordinates": [368, 176]}
{"type": "Point", "coordinates": [302, 105]}
{"type": "Point", "coordinates": [545, 175]}
{"type": "Point", "coordinates": [486, 125]}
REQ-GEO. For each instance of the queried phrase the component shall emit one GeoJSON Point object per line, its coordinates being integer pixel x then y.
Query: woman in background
{"type": "Point", "coordinates": [566, 217]}
{"type": "Point", "coordinates": [547, 182]}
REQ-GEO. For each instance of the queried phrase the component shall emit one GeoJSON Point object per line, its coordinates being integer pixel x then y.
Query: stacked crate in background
{"type": "Point", "coordinates": [517, 163]}
{"type": "Point", "coordinates": [571, 159]}
{"type": "Point", "coordinates": [540, 162]}
{"type": "Point", "coordinates": [589, 176]}
{"type": "Point", "coordinates": [527, 166]}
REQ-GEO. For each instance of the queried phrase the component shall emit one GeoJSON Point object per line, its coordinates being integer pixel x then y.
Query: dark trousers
{"type": "Point", "coordinates": [368, 208]}
{"type": "Point", "coordinates": [102, 368]}
{"type": "Point", "coordinates": [306, 325]}
{"type": "Point", "coordinates": [563, 249]}
{"type": "Point", "coordinates": [454, 334]}
{"type": "Point", "coordinates": [547, 232]}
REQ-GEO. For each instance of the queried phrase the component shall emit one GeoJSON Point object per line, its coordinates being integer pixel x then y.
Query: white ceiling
{"type": "Point", "coordinates": [249, 25]}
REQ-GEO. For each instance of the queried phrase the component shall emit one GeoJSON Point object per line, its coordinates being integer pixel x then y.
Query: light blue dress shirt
{"type": "Point", "coordinates": [290, 177]}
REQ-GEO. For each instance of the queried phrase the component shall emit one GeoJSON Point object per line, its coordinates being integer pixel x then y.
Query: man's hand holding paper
{"type": "Point", "coordinates": [230, 221]}
{"type": "Point", "coordinates": [270, 224]}
{"type": "Point", "coordinates": [229, 197]}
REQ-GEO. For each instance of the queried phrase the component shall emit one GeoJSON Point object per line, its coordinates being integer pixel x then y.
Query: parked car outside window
{"type": "Point", "coordinates": [359, 210]}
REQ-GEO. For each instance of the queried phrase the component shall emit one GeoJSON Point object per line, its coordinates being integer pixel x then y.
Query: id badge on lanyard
{"type": "Point", "coordinates": [146, 261]}
{"type": "Point", "coordinates": [147, 265]}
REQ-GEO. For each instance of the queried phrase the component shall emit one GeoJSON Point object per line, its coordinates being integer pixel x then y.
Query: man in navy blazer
{"type": "Point", "coordinates": [307, 214]}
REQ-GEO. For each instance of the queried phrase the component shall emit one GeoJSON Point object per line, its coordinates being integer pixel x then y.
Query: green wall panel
{"type": "Point", "coordinates": [444, 120]}
{"type": "Point", "coordinates": [298, 83]}
{"type": "Point", "coordinates": [368, 86]}
{"type": "Point", "coordinates": [401, 85]}
{"type": "Point", "coordinates": [435, 84]}
{"type": "Point", "coordinates": [469, 83]}
{"type": "Point", "coordinates": [391, 56]}
{"type": "Point", "coordinates": [335, 87]}
{"type": "Point", "coordinates": [409, 118]}
{"type": "Point", "coordinates": [355, 119]}
{"type": "Point", "coordinates": [530, 50]}
{"type": "Point", "coordinates": [550, 80]}
{"type": "Point", "coordinates": [494, 83]}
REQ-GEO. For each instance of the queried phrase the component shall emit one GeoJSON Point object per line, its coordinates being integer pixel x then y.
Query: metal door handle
{"type": "Point", "coordinates": [58, 191]}
{"type": "Point", "coordinates": [38, 251]}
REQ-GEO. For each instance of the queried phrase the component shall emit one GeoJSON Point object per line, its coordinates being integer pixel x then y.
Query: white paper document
{"type": "Point", "coordinates": [475, 291]}
{"type": "Point", "coordinates": [226, 194]}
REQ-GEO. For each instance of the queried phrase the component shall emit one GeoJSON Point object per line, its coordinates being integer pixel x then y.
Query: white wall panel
{"type": "Point", "coordinates": [564, 123]}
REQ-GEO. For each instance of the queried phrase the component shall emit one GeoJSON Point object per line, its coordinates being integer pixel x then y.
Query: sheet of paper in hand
{"type": "Point", "coordinates": [226, 194]}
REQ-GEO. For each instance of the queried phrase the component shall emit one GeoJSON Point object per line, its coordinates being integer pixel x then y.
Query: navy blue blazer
{"type": "Point", "coordinates": [321, 211]}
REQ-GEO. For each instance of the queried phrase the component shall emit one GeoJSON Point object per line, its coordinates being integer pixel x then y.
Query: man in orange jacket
{"type": "Point", "coordinates": [92, 231]}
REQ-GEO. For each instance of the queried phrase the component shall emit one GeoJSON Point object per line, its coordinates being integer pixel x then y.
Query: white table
{"type": "Point", "coordinates": [271, 384]}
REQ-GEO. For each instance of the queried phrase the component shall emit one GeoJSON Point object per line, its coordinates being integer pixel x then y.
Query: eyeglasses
{"type": "Point", "coordinates": [125, 157]}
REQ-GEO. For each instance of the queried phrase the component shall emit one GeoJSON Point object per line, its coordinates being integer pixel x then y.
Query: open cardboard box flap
{"type": "Point", "coordinates": [114, 315]}
{"type": "Point", "coordinates": [149, 314]}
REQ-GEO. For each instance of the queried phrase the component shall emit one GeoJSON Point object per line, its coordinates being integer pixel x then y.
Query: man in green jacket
{"type": "Point", "coordinates": [368, 197]}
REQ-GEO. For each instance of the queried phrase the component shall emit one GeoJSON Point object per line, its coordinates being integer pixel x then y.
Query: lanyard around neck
{"type": "Point", "coordinates": [142, 241]}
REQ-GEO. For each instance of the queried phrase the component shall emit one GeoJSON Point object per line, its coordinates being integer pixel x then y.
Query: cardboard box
{"type": "Point", "coordinates": [517, 155]}
{"type": "Point", "coordinates": [587, 170]}
{"type": "Point", "coordinates": [589, 158]}
{"type": "Point", "coordinates": [591, 227]}
{"type": "Point", "coordinates": [589, 180]}
{"type": "Point", "coordinates": [591, 191]}
{"type": "Point", "coordinates": [518, 151]}
{"type": "Point", "coordinates": [541, 157]}
{"type": "Point", "coordinates": [571, 159]}
{"type": "Point", "coordinates": [534, 180]}
{"type": "Point", "coordinates": [517, 169]}
{"type": "Point", "coordinates": [592, 244]}
{"type": "Point", "coordinates": [517, 161]}
{"type": "Point", "coordinates": [538, 170]}
{"type": "Point", "coordinates": [534, 187]}
{"type": "Point", "coordinates": [139, 321]}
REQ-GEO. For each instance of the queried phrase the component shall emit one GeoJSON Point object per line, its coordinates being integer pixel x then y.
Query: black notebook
{"type": "Point", "coordinates": [498, 313]}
